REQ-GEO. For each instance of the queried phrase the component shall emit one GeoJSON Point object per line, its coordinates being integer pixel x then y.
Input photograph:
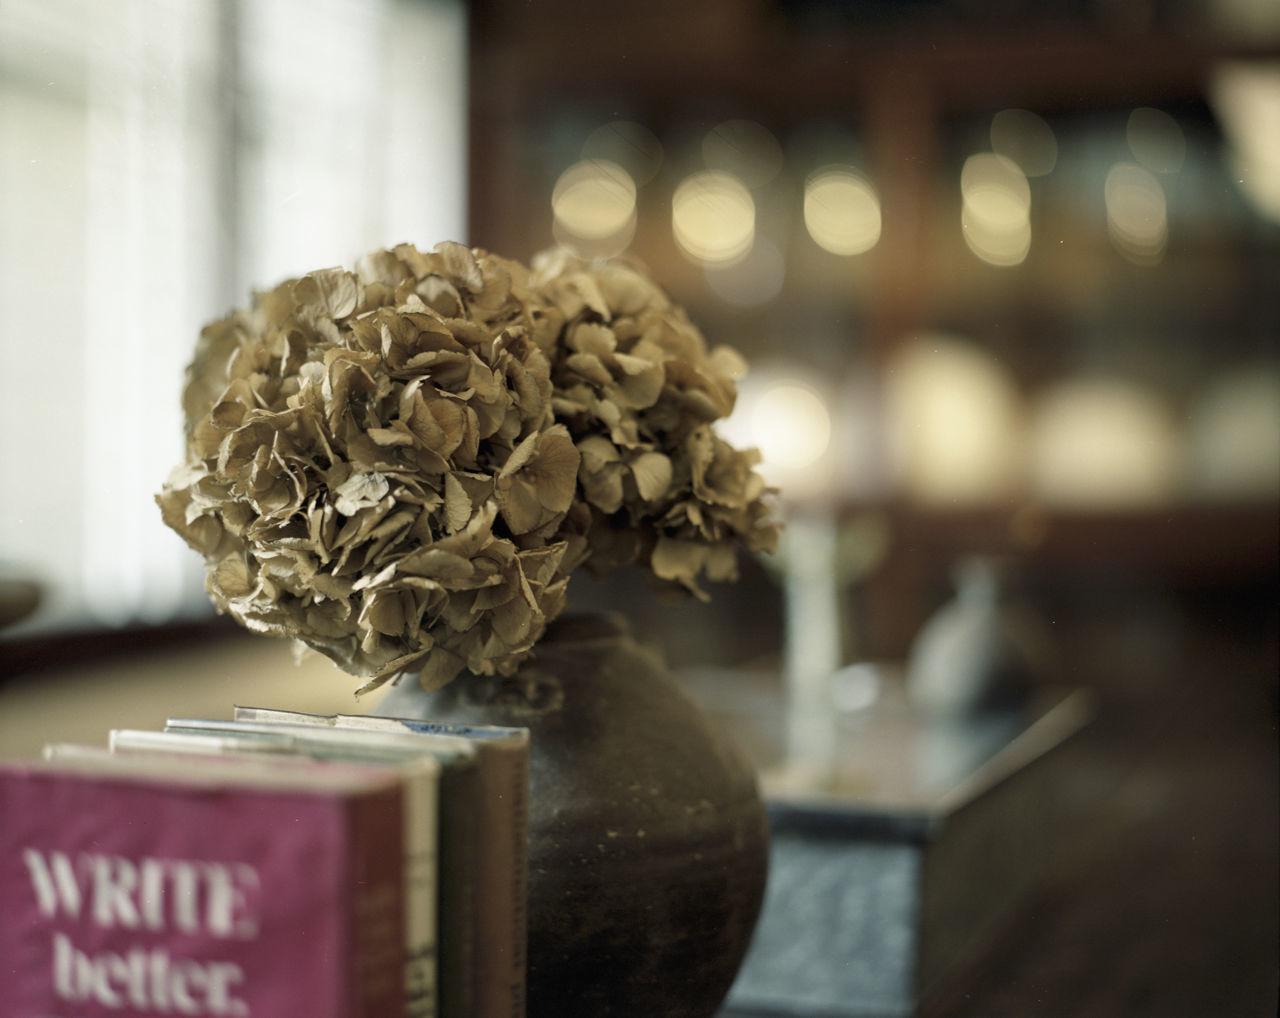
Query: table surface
{"type": "Point", "coordinates": [1167, 902]}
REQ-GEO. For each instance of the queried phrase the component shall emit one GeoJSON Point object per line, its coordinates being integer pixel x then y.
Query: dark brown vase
{"type": "Point", "coordinates": [648, 841]}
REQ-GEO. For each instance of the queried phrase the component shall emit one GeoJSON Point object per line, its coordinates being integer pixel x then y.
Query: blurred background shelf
{"type": "Point", "coordinates": [1109, 356]}
{"type": "Point", "coordinates": [897, 87]}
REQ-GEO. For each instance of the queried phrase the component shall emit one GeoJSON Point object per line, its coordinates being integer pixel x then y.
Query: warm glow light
{"type": "Point", "coordinates": [752, 281]}
{"type": "Point", "coordinates": [996, 246]}
{"type": "Point", "coordinates": [1101, 443]}
{"type": "Point", "coordinates": [745, 149]}
{"type": "Point", "coordinates": [1156, 140]}
{"type": "Point", "coordinates": [818, 429]}
{"type": "Point", "coordinates": [713, 217]}
{"type": "Point", "coordinates": [1137, 219]}
{"type": "Point", "coordinates": [594, 203]}
{"type": "Point", "coordinates": [1025, 138]}
{"type": "Point", "coordinates": [841, 211]}
{"type": "Point", "coordinates": [1246, 98]}
{"type": "Point", "coordinates": [631, 146]}
{"type": "Point", "coordinates": [791, 426]}
{"type": "Point", "coordinates": [996, 213]}
{"type": "Point", "coordinates": [955, 422]}
{"type": "Point", "coordinates": [594, 198]}
{"type": "Point", "coordinates": [995, 190]}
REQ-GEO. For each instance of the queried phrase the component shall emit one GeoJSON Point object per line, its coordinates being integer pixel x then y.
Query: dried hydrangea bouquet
{"type": "Point", "coordinates": [402, 466]}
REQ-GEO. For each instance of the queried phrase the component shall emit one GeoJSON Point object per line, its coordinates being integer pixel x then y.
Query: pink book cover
{"type": "Point", "coordinates": [128, 896]}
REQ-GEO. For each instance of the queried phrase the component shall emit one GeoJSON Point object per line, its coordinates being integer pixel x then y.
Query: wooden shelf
{"type": "Point", "coordinates": [1191, 543]}
{"type": "Point", "coordinates": [907, 79]}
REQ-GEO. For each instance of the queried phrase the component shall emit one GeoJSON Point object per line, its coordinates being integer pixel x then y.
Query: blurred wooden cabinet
{"type": "Point", "coordinates": [911, 89]}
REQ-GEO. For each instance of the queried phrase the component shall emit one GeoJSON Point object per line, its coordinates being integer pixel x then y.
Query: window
{"type": "Point", "coordinates": [159, 160]}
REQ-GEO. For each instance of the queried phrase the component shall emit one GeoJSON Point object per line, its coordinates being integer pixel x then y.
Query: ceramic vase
{"type": "Point", "coordinates": [648, 841]}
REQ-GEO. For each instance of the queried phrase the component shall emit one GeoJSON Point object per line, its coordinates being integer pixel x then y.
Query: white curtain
{"type": "Point", "coordinates": [158, 160]}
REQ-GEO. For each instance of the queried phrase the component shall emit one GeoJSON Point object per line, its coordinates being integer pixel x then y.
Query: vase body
{"type": "Point", "coordinates": [648, 842]}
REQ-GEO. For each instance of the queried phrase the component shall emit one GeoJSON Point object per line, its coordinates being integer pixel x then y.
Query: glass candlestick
{"type": "Point", "coordinates": [812, 652]}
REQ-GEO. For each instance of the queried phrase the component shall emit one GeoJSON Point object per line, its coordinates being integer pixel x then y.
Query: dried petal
{"type": "Point", "coordinates": [360, 491]}
{"type": "Point", "coordinates": [334, 290]}
{"type": "Point", "coordinates": [652, 472]}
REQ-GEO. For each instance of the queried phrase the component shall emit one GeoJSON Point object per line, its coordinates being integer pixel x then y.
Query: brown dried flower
{"type": "Point", "coordinates": [401, 465]}
{"type": "Point", "coordinates": [639, 392]}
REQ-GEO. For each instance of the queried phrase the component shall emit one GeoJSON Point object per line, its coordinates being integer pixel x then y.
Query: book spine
{"type": "Point", "coordinates": [502, 885]}
{"type": "Point", "coordinates": [459, 833]}
{"type": "Point", "coordinates": [421, 892]}
{"type": "Point", "coordinates": [499, 953]}
{"type": "Point", "coordinates": [376, 824]}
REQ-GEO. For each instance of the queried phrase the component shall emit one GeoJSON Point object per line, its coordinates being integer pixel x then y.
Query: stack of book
{"type": "Point", "coordinates": [333, 866]}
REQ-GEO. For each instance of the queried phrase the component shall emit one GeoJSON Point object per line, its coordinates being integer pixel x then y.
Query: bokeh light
{"type": "Point", "coordinates": [791, 425]}
{"type": "Point", "coordinates": [785, 410]}
{"type": "Point", "coordinates": [713, 217]}
{"type": "Point", "coordinates": [1102, 443]}
{"type": "Point", "coordinates": [842, 211]}
{"type": "Point", "coordinates": [594, 203]}
{"type": "Point", "coordinates": [1246, 99]}
{"type": "Point", "coordinates": [996, 212]}
{"type": "Point", "coordinates": [1003, 247]}
{"type": "Point", "coordinates": [1137, 217]}
{"type": "Point", "coordinates": [955, 422]}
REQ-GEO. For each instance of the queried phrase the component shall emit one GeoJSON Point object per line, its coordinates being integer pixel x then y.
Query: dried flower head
{"type": "Point", "coordinates": [639, 391]}
{"type": "Point", "coordinates": [401, 465]}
